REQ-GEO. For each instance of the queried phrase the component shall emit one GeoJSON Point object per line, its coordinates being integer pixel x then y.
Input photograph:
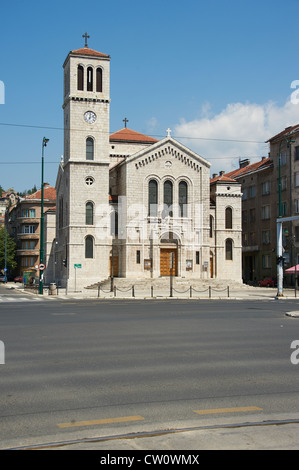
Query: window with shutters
{"type": "Point", "coordinates": [89, 79]}
{"type": "Point", "coordinates": [89, 213]}
{"type": "Point", "coordinates": [89, 148]}
{"type": "Point", "coordinates": [228, 218]}
{"type": "Point", "coordinates": [183, 199]}
{"type": "Point", "coordinates": [80, 78]}
{"type": "Point", "coordinates": [229, 249]}
{"type": "Point", "coordinates": [99, 80]}
{"type": "Point", "coordinates": [89, 247]}
{"type": "Point", "coordinates": [211, 226]}
{"type": "Point", "coordinates": [153, 198]}
{"type": "Point", "coordinates": [168, 198]}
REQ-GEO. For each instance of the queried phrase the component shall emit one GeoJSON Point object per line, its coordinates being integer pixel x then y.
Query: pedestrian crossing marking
{"type": "Point", "coordinates": [19, 299]}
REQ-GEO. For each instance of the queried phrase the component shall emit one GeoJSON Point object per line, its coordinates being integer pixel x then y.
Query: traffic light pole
{"type": "Point", "coordinates": [279, 258]}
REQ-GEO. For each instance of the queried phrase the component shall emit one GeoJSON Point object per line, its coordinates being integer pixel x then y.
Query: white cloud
{"type": "Point", "coordinates": [152, 124]}
{"type": "Point", "coordinates": [238, 131]}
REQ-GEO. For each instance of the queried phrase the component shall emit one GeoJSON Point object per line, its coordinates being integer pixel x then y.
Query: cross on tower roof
{"type": "Point", "coordinates": [85, 36]}
{"type": "Point", "coordinates": [125, 121]}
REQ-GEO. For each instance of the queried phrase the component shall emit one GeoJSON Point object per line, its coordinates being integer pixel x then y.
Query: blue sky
{"type": "Point", "coordinates": [215, 72]}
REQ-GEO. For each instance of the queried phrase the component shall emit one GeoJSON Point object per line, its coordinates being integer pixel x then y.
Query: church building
{"type": "Point", "coordinates": [131, 205]}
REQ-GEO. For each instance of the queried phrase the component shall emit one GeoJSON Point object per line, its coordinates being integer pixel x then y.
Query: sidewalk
{"type": "Point", "coordinates": [138, 292]}
{"type": "Point", "coordinates": [266, 432]}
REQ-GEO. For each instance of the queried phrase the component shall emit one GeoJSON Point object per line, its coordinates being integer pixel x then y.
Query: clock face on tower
{"type": "Point", "coordinates": [90, 117]}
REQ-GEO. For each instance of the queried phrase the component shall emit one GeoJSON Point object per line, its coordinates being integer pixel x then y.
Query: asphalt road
{"type": "Point", "coordinates": [101, 367]}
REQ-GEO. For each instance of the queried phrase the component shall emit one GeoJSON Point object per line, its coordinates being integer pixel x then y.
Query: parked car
{"type": "Point", "coordinates": [18, 279]}
{"type": "Point", "coordinates": [2, 278]}
{"type": "Point", "coordinates": [268, 282]}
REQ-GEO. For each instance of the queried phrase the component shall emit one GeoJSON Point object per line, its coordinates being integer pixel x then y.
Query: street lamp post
{"type": "Point", "coordinates": [41, 248]}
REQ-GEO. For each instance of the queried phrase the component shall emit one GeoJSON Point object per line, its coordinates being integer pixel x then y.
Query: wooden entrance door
{"type": "Point", "coordinates": [165, 257]}
{"type": "Point", "coordinates": [211, 266]}
{"type": "Point", "coordinates": [115, 265]}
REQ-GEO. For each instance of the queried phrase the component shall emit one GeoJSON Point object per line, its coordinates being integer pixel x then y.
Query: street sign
{"type": "Point", "coordinates": [77, 265]}
{"type": "Point", "coordinates": [41, 267]}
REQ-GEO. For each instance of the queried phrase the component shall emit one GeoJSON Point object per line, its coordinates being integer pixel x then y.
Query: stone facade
{"type": "Point", "coordinates": [131, 204]}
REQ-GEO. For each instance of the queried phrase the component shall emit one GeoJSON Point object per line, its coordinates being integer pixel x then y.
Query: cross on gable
{"type": "Point", "coordinates": [85, 36]}
{"type": "Point", "coordinates": [125, 121]}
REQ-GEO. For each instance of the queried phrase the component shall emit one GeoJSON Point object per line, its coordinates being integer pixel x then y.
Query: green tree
{"type": "Point", "coordinates": [10, 251]}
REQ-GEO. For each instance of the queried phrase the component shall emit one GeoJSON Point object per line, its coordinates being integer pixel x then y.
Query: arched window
{"type": "Point", "coordinates": [153, 198]}
{"type": "Point", "coordinates": [211, 226]}
{"type": "Point", "coordinates": [183, 199]}
{"type": "Point", "coordinates": [89, 148]}
{"type": "Point", "coordinates": [114, 223]}
{"type": "Point", "coordinates": [88, 247]}
{"type": "Point", "coordinates": [80, 78]}
{"type": "Point", "coordinates": [89, 79]}
{"type": "Point", "coordinates": [229, 249]}
{"type": "Point", "coordinates": [99, 79]}
{"type": "Point", "coordinates": [168, 197]}
{"type": "Point", "coordinates": [228, 217]}
{"type": "Point", "coordinates": [89, 213]}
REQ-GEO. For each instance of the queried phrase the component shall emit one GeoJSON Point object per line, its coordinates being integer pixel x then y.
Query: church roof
{"type": "Point", "coordinates": [128, 135]}
{"type": "Point", "coordinates": [89, 52]}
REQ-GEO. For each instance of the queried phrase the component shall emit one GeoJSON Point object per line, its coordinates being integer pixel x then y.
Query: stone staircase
{"type": "Point", "coordinates": [163, 284]}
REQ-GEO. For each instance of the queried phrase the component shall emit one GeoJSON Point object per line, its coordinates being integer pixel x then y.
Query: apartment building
{"type": "Point", "coordinates": [270, 188]}
{"type": "Point", "coordinates": [284, 148]}
{"type": "Point", "coordinates": [24, 226]}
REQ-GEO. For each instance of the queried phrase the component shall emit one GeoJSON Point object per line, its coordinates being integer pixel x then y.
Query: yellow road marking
{"type": "Point", "coordinates": [228, 410]}
{"type": "Point", "coordinates": [100, 421]}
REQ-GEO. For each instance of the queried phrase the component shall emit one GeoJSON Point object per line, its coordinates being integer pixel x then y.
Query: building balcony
{"type": "Point", "coordinates": [250, 248]}
{"type": "Point", "coordinates": [24, 252]}
{"type": "Point", "coordinates": [28, 220]}
{"type": "Point", "coordinates": [28, 236]}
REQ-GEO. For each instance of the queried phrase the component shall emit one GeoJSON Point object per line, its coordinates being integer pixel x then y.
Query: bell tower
{"type": "Point", "coordinates": [83, 180]}
{"type": "Point", "coordinates": [86, 105]}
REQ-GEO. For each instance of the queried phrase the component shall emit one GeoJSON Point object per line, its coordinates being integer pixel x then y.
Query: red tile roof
{"type": "Point", "coordinates": [128, 135]}
{"type": "Point", "coordinates": [224, 178]}
{"type": "Point", "coordinates": [89, 52]}
{"type": "Point", "coordinates": [249, 168]}
{"type": "Point", "coordinates": [49, 193]}
{"type": "Point", "coordinates": [285, 132]}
